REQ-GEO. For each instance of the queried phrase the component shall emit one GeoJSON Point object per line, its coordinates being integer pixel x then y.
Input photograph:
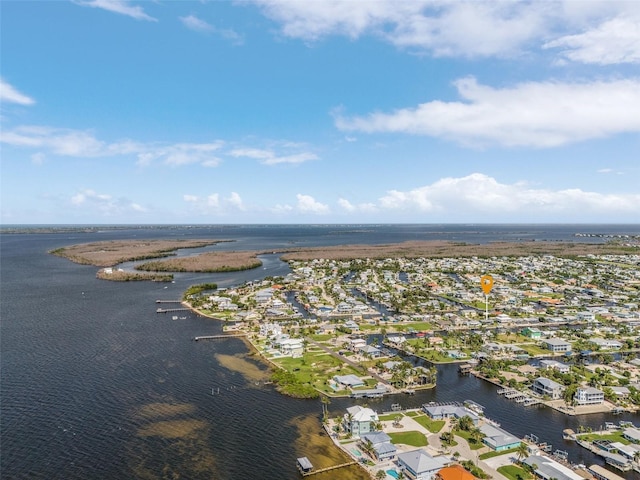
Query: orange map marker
{"type": "Point", "coordinates": [486, 282]}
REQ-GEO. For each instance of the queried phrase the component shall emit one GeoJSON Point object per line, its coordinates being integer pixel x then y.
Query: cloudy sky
{"type": "Point", "coordinates": [271, 111]}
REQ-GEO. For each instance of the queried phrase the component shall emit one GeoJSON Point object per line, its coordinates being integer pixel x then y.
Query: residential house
{"type": "Point", "coordinates": [419, 465]}
{"type": "Point", "coordinates": [348, 381]}
{"type": "Point", "coordinates": [545, 386]}
{"type": "Point", "coordinates": [547, 468]}
{"type": "Point", "coordinates": [531, 332]}
{"type": "Point", "coordinates": [588, 396]}
{"type": "Point", "coordinates": [360, 420]}
{"type": "Point", "coordinates": [454, 472]}
{"type": "Point", "coordinates": [606, 344]}
{"type": "Point", "coordinates": [498, 439]}
{"type": "Point", "coordinates": [382, 448]}
{"type": "Point", "coordinates": [556, 345]}
{"type": "Point", "coordinates": [631, 434]}
{"type": "Point", "coordinates": [555, 365]}
{"type": "Point", "coordinates": [441, 412]}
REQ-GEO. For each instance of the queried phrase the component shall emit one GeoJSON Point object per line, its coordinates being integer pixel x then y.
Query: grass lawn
{"type": "Point", "coordinates": [513, 472]}
{"type": "Point", "coordinates": [413, 438]}
{"type": "Point", "coordinates": [434, 426]}
{"type": "Point", "coordinates": [389, 417]}
{"type": "Point", "coordinates": [472, 445]}
{"type": "Point", "coordinates": [614, 437]}
{"type": "Point", "coordinates": [497, 454]}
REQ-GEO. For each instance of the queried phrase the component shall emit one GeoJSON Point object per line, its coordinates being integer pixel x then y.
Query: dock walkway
{"type": "Point", "coordinates": [326, 469]}
{"type": "Point", "coordinates": [213, 337]}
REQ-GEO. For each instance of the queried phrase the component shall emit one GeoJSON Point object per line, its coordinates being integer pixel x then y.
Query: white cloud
{"type": "Point", "coordinates": [122, 7]}
{"type": "Point", "coordinates": [307, 204]}
{"type": "Point", "coordinates": [348, 207]}
{"type": "Point", "coordinates": [268, 157]}
{"type": "Point", "coordinates": [444, 28]}
{"type": "Point", "coordinates": [479, 194]}
{"type": "Point", "coordinates": [79, 143]}
{"type": "Point", "coordinates": [214, 203]}
{"type": "Point", "coordinates": [63, 142]}
{"type": "Point", "coordinates": [104, 204]}
{"type": "Point", "coordinates": [201, 26]}
{"type": "Point", "coordinates": [613, 41]}
{"type": "Point", "coordinates": [9, 94]}
{"type": "Point", "coordinates": [545, 114]}
{"type": "Point", "coordinates": [196, 24]}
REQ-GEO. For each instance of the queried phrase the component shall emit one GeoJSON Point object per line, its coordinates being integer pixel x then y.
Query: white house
{"type": "Point", "coordinates": [545, 386]}
{"type": "Point", "coordinates": [360, 420]}
{"type": "Point", "coordinates": [588, 396]}
{"type": "Point", "coordinates": [419, 465]}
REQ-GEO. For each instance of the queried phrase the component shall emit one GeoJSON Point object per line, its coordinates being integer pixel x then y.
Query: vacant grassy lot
{"type": "Point", "coordinates": [413, 438]}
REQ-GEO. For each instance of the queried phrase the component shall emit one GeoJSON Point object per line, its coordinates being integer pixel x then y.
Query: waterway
{"type": "Point", "coordinates": [95, 384]}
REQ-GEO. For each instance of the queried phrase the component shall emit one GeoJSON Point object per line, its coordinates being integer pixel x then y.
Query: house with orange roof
{"type": "Point", "coordinates": [454, 472]}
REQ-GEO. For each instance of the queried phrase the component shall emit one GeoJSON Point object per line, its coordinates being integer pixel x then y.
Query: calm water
{"type": "Point", "coordinates": [95, 384]}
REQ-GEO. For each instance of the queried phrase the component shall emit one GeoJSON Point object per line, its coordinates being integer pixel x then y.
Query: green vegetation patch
{"type": "Point", "coordinates": [492, 453]}
{"type": "Point", "coordinates": [434, 426]}
{"type": "Point", "coordinates": [513, 472]}
{"type": "Point", "coordinates": [413, 438]}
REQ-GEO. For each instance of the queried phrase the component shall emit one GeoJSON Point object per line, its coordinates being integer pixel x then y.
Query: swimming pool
{"type": "Point", "coordinates": [392, 473]}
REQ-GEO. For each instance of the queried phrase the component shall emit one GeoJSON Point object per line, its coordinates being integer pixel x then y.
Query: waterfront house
{"type": "Point", "coordinates": [588, 396]}
{"type": "Point", "coordinates": [348, 381]}
{"type": "Point", "coordinates": [546, 468]}
{"type": "Point", "coordinates": [545, 386]}
{"type": "Point", "coordinates": [632, 434]}
{"type": "Point", "coordinates": [628, 451]}
{"type": "Point", "coordinates": [370, 351]}
{"type": "Point", "coordinates": [556, 345]}
{"type": "Point", "coordinates": [554, 364]}
{"type": "Point", "coordinates": [419, 465]}
{"type": "Point", "coordinates": [442, 412]}
{"type": "Point", "coordinates": [498, 439]}
{"type": "Point", "coordinates": [380, 444]}
{"type": "Point", "coordinates": [606, 344]}
{"type": "Point", "coordinates": [360, 420]}
{"type": "Point", "coordinates": [293, 347]}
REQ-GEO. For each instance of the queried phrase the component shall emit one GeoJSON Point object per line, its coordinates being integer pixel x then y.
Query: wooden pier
{"type": "Point", "coordinates": [326, 469]}
{"type": "Point", "coordinates": [165, 310]}
{"type": "Point", "coordinates": [213, 337]}
{"type": "Point", "coordinates": [168, 301]}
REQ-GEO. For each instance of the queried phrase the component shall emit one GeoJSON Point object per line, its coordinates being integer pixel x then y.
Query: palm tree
{"type": "Point", "coordinates": [522, 452]}
{"type": "Point", "coordinates": [381, 475]}
{"type": "Point", "coordinates": [465, 423]}
{"type": "Point", "coordinates": [476, 435]}
{"type": "Point", "coordinates": [325, 407]}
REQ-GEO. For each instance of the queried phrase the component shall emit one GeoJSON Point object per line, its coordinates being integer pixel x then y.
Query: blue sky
{"type": "Point", "coordinates": [116, 111]}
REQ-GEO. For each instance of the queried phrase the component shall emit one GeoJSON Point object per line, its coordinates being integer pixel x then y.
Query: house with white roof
{"type": "Point", "coordinates": [498, 439]}
{"type": "Point", "coordinates": [348, 381]}
{"type": "Point", "coordinates": [441, 412]}
{"type": "Point", "coordinates": [359, 420]}
{"type": "Point", "coordinates": [588, 396]}
{"type": "Point", "coordinates": [554, 364]}
{"type": "Point", "coordinates": [547, 468]}
{"type": "Point", "coordinates": [545, 386]}
{"type": "Point", "coordinates": [383, 449]}
{"type": "Point", "coordinates": [419, 465]}
{"type": "Point", "coordinates": [631, 434]}
{"type": "Point", "coordinates": [556, 345]}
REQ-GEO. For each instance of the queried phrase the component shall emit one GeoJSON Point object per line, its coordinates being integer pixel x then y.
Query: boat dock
{"type": "Point", "coordinates": [214, 337]}
{"type": "Point", "coordinates": [518, 397]}
{"type": "Point", "coordinates": [165, 310]}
